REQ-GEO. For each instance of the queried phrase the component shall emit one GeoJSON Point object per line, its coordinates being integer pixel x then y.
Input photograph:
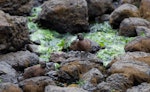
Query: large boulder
{"type": "Point", "coordinates": [99, 7]}
{"type": "Point", "coordinates": [138, 44]}
{"type": "Point", "coordinates": [133, 66]}
{"type": "Point", "coordinates": [144, 9]}
{"type": "Point", "coordinates": [13, 32]}
{"type": "Point", "coordinates": [20, 60]}
{"type": "Point", "coordinates": [122, 12]}
{"type": "Point", "coordinates": [128, 26]}
{"type": "Point", "coordinates": [65, 15]}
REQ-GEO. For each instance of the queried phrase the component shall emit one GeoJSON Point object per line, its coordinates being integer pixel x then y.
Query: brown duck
{"type": "Point", "coordinates": [82, 44]}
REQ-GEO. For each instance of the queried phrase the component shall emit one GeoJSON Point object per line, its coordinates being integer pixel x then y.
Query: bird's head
{"type": "Point", "coordinates": [80, 36]}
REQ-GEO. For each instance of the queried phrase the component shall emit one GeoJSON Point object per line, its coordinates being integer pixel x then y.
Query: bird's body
{"type": "Point", "coordinates": [82, 44]}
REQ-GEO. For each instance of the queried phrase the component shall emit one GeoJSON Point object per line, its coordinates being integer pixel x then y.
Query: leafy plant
{"type": "Point", "coordinates": [80, 82]}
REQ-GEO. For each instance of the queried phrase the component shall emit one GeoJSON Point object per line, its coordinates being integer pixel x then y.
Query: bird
{"type": "Point", "coordinates": [84, 44]}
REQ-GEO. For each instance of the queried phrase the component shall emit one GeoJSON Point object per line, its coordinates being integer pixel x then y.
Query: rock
{"type": "Point", "coordinates": [9, 87]}
{"type": "Point", "coordinates": [51, 88]}
{"type": "Point", "coordinates": [20, 60]}
{"type": "Point", "coordinates": [7, 73]}
{"type": "Point", "coordinates": [36, 84]}
{"type": "Point", "coordinates": [122, 12]}
{"type": "Point", "coordinates": [144, 9]}
{"type": "Point", "coordinates": [144, 87]}
{"type": "Point", "coordinates": [71, 72]}
{"type": "Point", "coordinates": [115, 82]}
{"type": "Point", "coordinates": [33, 48]}
{"type": "Point", "coordinates": [17, 7]}
{"type": "Point", "coordinates": [65, 16]}
{"type": "Point", "coordinates": [91, 79]}
{"type": "Point", "coordinates": [103, 18]}
{"type": "Point", "coordinates": [34, 71]}
{"type": "Point", "coordinates": [142, 31]}
{"type": "Point", "coordinates": [64, 58]}
{"type": "Point", "coordinates": [99, 7]}
{"type": "Point", "coordinates": [136, 71]}
{"type": "Point", "coordinates": [138, 44]}
{"type": "Point", "coordinates": [134, 2]}
{"type": "Point", "coordinates": [13, 32]}
{"type": "Point", "coordinates": [82, 44]}
{"type": "Point", "coordinates": [128, 26]}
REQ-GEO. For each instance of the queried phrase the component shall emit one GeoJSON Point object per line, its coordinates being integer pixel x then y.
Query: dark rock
{"type": "Point", "coordinates": [122, 12]}
{"type": "Point", "coordinates": [91, 79]}
{"type": "Point", "coordinates": [103, 18]}
{"type": "Point", "coordinates": [136, 71]}
{"type": "Point", "coordinates": [34, 71]}
{"type": "Point", "coordinates": [36, 84]}
{"type": "Point", "coordinates": [51, 88]}
{"type": "Point", "coordinates": [7, 73]}
{"type": "Point", "coordinates": [128, 26]}
{"type": "Point", "coordinates": [144, 87]}
{"type": "Point", "coordinates": [144, 9]}
{"type": "Point", "coordinates": [99, 7]}
{"type": "Point", "coordinates": [20, 60]}
{"type": "Point", "coordinates": [116, 83]}
{"type": "Point", "coordinates": [82, 44]}
{"type": "Point", "coordinates": [9, 87]}
{"type": "Point", "coordinates": [17, 7]}
{"type": "Point", "coordinates": [138, 44]}
{"type": "Point", "coordinates": [13, 32]}
{"type": "Point", "coordinates": [65, 16]}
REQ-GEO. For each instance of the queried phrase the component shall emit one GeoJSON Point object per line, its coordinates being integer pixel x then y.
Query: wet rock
{"type": "Point", "coordinates": [9, 87]}
{"type": "Point", "coordinates": [83, 44]}
{"type": "Point", "coordinates": [144, 87]}
{"type": "Point", "coordinates": [138, 44]}
{"type": "Point", "coordinates": [51, 88]}
{"type": "Point", "coordinates": [144, 9]}
{"type": "Point", "coordinates": [99, 7]}
{"type": "Point", "coordinates": [65, 16]}
{"type": "Point", "coordinates": [128, 26]}
{"type": "Point", "coordinates": [91, 79]}
{"type": "Point", "coordinates": [122, 12]}
{"type": "Point", "coordinates": [20, 60]}
{"type": "Point", "coordinates": [7, 73]}
{"type": "Point", "coordinates": [142, 31]}
{"type": "Point", "coordinates": [17, 7]}
{"type": "Point", "coordinates": [36, 84]}
{"type": "Point", "coordinates": [116, 83]}
{"type": "Point", "coordinates": [13, 32]}
{"type": "Point", "coordinates": [34, 71]}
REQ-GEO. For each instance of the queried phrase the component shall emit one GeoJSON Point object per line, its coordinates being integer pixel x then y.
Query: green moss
{"type": "Point", "coordinates": [52, 41]}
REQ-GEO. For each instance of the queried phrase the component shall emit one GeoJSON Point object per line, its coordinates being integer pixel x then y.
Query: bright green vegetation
{"type": "Point", "coordinates": [103, 34]}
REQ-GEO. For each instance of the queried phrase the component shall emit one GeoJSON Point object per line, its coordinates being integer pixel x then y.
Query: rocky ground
{"type": "Point", "coordinates": [74, 71]}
